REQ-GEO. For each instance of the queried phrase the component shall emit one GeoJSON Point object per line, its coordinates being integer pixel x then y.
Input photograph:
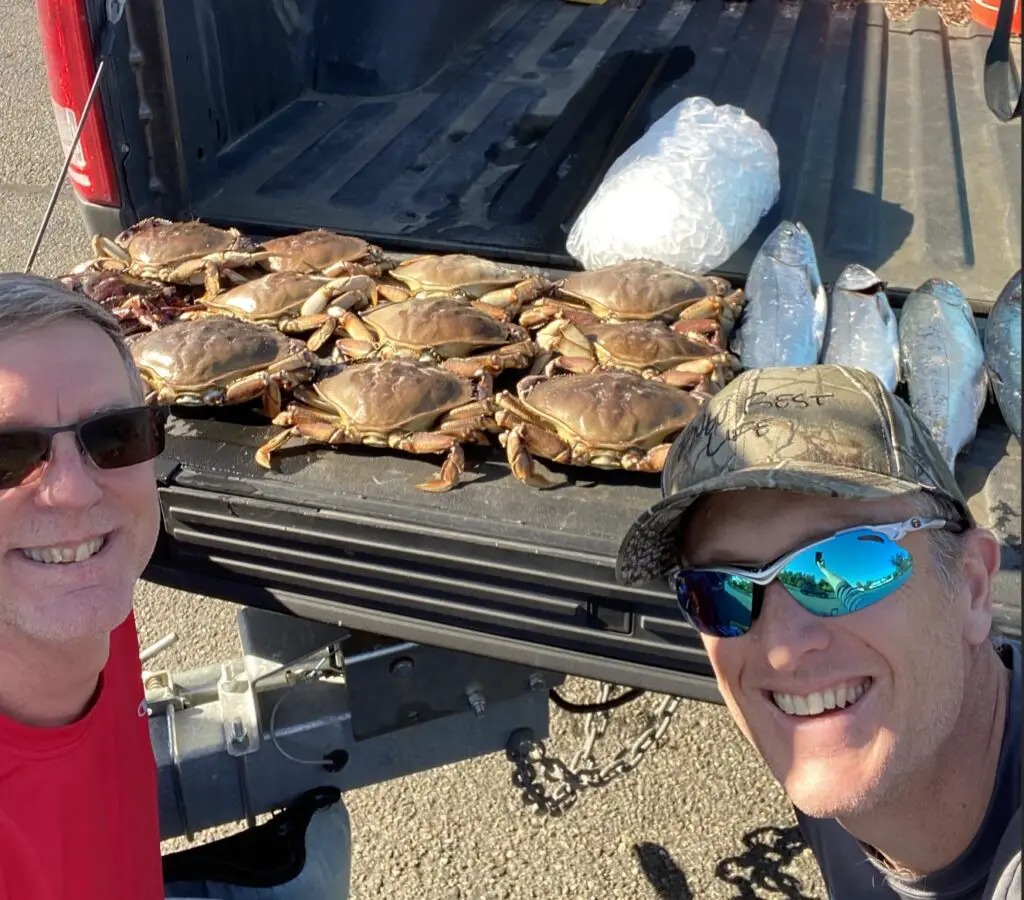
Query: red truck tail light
{"type": "Point", "coordinates": [67, 50]}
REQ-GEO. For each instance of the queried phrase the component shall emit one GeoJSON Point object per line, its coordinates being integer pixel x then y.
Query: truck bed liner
{"type": "Point", "coordinates": [877, 125]}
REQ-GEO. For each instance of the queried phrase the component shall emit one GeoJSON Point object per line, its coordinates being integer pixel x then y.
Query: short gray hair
{"type": "Point", "coordinates": [28, 302]}
{"type": "Point", "coordinates": [947, 546]}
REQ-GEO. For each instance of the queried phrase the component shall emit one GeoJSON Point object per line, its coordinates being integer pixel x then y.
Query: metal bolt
{"type": "Point", "coordinates": [537, 682]}
{"type": "Point", "coordinates": [238, 736]}
{"type": "Point", "coordinates": [402, 667]}
{"type": "Point", "coordinates": [478, 702]}
{"type": "Point", "coordinates": [154, 683]}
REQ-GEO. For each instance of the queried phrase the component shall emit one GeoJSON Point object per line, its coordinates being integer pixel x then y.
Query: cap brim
{"type": "Point", "coordinates": [650, 548]}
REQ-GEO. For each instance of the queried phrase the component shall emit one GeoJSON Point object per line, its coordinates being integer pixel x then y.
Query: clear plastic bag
{"type": "Point", "coordinates": [688, 193]}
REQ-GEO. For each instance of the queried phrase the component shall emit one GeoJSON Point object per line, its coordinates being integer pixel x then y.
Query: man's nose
{"type": "Point", "coordinates": [69, 479]}
{"type": "Point", "coordinates": [787, 630]}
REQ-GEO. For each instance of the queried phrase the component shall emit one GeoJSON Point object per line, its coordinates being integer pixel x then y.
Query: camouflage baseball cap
{"type": "Point", "coordinates": [830, 430]}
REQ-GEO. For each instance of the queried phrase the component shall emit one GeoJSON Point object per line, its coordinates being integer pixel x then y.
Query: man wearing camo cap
{"type": "Point", "coordinates": [818, 541]}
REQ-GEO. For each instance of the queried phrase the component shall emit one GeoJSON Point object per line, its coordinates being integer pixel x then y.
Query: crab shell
{"type": "Point", "coordinates": [278, 295]}
{"type": "Point", "coordinates": [161, 243]}
{"type": "Point", "coordinates": [639, 289]}
{"type": "Point", "coordinates": [319, 251]}
{"type": "Point", "coordinates": [461, 272]}
{"type": "Point", "coordinates": [446, 325]}
{"type": "Point", "coordinates": [610, 410]}
{"type": "Point", "coordinates": [196, 363]}
{"type": "Point", "coordinates": [380, 397]}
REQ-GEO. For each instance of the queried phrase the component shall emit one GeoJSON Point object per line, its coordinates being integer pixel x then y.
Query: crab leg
{"type": "Point", "coordinates": [497, 312]}
{"type": "Point", "coordinates": [687, 380]}
{"type": "Point", "coordinates": [566, 338]}
{"type": "Point", "coordinates": [323, 324]}
{"type": "Point", "coordinates": [470, 430]}
{"type": "Point", "coordinates": [543, 311]}
{"type": "Point", "coordinates": [513, 298]}
{"type": "Point", "coordinates": [577, 365]}
{"type": "Point", "coordinates": [511, 356]}
{"type": "Point", "coordinates": [707, 330]}
{"type": "Point", "coordinates": [347, 348]}
{"type": "Point", "coordinates": [349, 323]}
{"type": "Point", "coordinates": [519, 441]}
{"type": "Point", "coordinates": [344, 267]}
{"type": "Point", "coordinates": [394, 293]}
{"type": "Point", "coordinates": [434, 442]}
{"type": "Point", "coordinates": [267, 384]}
{"type": "Point", "coordinates": [341, 294]}
{"type": "Point", "coordinates": [651, 461]}
{"type": "Point", "coordinates": [266, 451]}
{"type": "Point", "coordinates": [103, 246]}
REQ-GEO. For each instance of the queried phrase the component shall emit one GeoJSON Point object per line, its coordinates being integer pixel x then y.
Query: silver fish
{"type": "Point", "coordinates": [783, 322]}
{"type": "Point", "coordinates": [1002, 352]}
{"type": "Point", "coordinates": [943, 364]}
{"type": "Point", "coordinates": [862, 329]}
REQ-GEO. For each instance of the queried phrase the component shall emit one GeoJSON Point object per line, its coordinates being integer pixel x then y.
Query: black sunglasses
{"type": "Point", "coordinates": [112, 440]}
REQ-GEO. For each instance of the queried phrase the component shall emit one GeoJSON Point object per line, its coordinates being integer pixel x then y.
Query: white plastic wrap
{"type": "Point", "coordinates": [688, 193]}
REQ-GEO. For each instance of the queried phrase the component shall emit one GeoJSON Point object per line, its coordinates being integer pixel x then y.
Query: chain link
{"type": "Point", "coordinates": [564, 783]}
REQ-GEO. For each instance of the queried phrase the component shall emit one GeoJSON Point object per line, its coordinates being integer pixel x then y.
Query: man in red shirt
{"type": "Point", "coordinates": [78, 522]}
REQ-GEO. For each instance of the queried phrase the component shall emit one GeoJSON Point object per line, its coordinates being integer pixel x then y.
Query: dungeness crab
{"type": "Point", "coordinates": [609, 419]}
{"type": "Point", "coordinates": [650, 348]}
{"type": "Point", "coordinates": [458, 334]}
{"type": "Point", "coordinates": [399, 403]}
{"type": "Point", "coordinates": [322, 252]}
{"type": "Point", "coordinates": [294, 302]}
{"type": "Point", "coordinates": [219, 360]}
{"type": "Point", "coordinates": [642, 290]}
{"type": "Point", "coordinates": [191, 253]}
{"type": "Point", "coordinates": [502, 286]}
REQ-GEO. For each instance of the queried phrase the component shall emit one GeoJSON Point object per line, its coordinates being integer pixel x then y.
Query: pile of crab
{"type": "Point", "coordinates": [339, 344]}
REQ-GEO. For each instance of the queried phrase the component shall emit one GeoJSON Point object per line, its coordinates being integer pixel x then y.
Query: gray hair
{"type": "Point", "coordinates": [28, 302]}
{"type": "Point", "coordinates": [947, 546]}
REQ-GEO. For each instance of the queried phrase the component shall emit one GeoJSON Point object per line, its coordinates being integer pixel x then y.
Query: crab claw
{"type": "Point", "coordinates": [519, 459]}
{"type": "Point", "coordinates": [266, 451]}
{"type": "Point", "coordinates": [451, 472]}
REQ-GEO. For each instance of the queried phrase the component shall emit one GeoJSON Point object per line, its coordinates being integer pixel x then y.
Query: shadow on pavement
{"type": "Point", "coordinates": [758, 873]}
{"type": "Point", "coordinates": [665, 876]}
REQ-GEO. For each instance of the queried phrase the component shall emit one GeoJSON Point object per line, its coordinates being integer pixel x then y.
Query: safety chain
{"type": "Point", "coordinates": [530, 757]}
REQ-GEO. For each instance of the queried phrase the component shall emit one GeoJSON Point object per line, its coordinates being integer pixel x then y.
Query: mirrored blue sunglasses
{"type": "Point", "coordinates": [835, 576]}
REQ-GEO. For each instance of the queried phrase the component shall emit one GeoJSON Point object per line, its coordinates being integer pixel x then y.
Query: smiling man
{"type": "Point", "coordinates": [78, 522]}
{"type": "Point", "coordinates": [819, 543]}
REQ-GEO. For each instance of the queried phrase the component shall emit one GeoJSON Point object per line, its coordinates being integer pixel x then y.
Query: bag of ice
{"type": "Point", "coordinates": [688, 193]}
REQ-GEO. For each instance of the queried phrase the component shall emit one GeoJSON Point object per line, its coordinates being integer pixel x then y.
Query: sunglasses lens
{"type": "Point", "coordinates": [716, 603]}
{"type": "Point", "coordinates": [124, 438]}
{"type": "Point", "coordinates": [21, 453]}
{"type": "Point", "coordinates": [847, 572]}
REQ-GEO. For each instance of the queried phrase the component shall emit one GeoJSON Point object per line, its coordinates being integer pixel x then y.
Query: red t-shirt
{"type": "Point", "coordinates": [78, 804]}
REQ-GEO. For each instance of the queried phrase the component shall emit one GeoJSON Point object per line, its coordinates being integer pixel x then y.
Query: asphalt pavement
{"type": "Point", "coordinates": [701, 817]}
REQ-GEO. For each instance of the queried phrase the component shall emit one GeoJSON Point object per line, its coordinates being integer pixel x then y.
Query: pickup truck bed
{"type": "Point", "coordinates": [484, 126]}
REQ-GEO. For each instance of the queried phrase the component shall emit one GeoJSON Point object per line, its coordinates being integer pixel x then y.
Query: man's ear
{"type": "Point", "coordinates": [979, 566]}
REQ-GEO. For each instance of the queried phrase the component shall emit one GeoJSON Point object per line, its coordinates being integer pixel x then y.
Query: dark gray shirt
{"type": "Point", "coordinates": [989, 869]}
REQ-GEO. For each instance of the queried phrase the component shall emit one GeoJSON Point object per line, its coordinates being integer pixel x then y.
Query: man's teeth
{"type": "Point", "coordinates": [818, 702]}
{"type": "Point", "coordinates": [65, 554]}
